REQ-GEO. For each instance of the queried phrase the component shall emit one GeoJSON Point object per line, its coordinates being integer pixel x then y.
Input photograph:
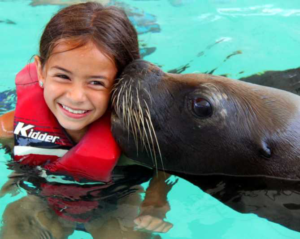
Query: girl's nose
{"type": "Point", "coordinates": [76, 93]}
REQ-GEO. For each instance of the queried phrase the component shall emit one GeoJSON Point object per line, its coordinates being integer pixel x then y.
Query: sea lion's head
{"type": "Point", "coordinates": [203, 124]}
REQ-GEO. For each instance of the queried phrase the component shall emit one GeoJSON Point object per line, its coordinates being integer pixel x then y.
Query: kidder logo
{"type": "Point", "coordinates": [27, 131]}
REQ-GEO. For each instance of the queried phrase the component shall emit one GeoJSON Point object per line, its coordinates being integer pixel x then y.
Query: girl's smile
{"type": "Point", "coordinates": [77, 85]}
{"type": "Point", "coordinates": [74, 113]}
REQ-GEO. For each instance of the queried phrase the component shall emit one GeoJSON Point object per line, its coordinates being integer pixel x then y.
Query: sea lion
{"type": "Point", "coordinates": [202, 124]}
{"type": "Point", "coordinates": [288, 80]}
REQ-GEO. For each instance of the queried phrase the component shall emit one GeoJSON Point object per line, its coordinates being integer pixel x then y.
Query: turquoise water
{"type": "Point", "coordinates": [235, 37]}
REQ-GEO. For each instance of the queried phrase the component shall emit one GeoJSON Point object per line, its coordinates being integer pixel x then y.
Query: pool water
{"type": "Point", "coordinates": [233, 37]}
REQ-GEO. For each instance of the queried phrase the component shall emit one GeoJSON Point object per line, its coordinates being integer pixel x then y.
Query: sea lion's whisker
{"type": "Point", "coordinates": [130, 86]}
{"type": "Point", "coordinates": [139, 109]}
{"type": "Point", "coordinates": [126, 92]}
{"type": "Point", "coordinates": [154, 133]}
{"type": "Point", "coordinates": [119, 82]}
{"type": "Point", "coordinates": [132, 127]}
{"type": "Point", "coordinates": [148, 146]}
{"type": "Point", "coordinates": [145, 136]}
{"type": "Point", "coordinates": [116, 86]}
{"type": "Point", "coordinates": [113, 96]}
{"type": "Point", "coordinates": [118, 99]}
{"type": "Point", "coordinates": [153, 146]}
{"type": "Point", "coordinates": [138, 124]}
{"type": "Point", "coordinates": [137, 120]}
{"type": "Point", "coordinates": [142, 121]}
{"type": "Point", "coordinates": [127, 110]}
{"type": "Point", "coordinates": [134, 134]}
{"type": "Point", "coordinates": [134, 123]}
{"type": "Point", "coordinates": [114, 90]}
{"type": "Point", "coordinates": [136, 142]}
{"type": "Point", "coordinates": [131, 102]}
{"type": "Point", "coordinates": [150, 135]}
{"type": "Point", "coordinates": [123, 112]}
{"type": "Point", "coordinates": [115, 103]}
{"type": "Point", "coordinates": [145, 140]}
{"type": "Point", "coordinates": [143, 132]}
{"type": "Point", "coordinates": [148, 93]}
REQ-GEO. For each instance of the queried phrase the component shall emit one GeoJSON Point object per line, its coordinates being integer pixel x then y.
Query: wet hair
{"type": "Point", "coordinates": [107, 27]}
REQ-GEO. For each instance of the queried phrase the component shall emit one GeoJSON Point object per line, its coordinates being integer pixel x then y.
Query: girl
{"type": "Point", "coordinates": [62, 105]}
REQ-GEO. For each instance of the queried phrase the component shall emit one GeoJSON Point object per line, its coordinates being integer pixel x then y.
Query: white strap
{"type": "Point", "coordinates": [25, 150]}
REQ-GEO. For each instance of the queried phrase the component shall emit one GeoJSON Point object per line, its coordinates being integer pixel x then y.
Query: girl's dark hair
{"type": "Point", "coordinates": [107, 27]}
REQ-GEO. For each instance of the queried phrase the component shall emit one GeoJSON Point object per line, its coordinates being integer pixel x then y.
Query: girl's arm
{"type": "Point", "coordinates": [7, 125]}
{"type": "Point", "coordinates": [155, 205]}
{"type": "Point", "coordinates": [7, 130]}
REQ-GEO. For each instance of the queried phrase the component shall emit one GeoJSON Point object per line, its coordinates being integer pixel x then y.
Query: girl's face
{"type": "Point", "coordinates": [77, 85]}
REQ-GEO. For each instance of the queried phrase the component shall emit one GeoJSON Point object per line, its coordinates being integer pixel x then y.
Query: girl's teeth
{"type": "Point", "coordinates": [74, 111]}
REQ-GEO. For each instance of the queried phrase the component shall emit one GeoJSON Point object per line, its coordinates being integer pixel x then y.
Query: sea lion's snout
{"type": "Point", "coordinates": [132, 102]}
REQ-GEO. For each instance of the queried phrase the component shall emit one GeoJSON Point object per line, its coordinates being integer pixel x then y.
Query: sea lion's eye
{"type": "Point", "coordinates": [201, 107]}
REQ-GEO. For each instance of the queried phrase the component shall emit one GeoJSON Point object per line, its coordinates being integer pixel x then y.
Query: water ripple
{"type": "Point", "coordinates": [265, 10]}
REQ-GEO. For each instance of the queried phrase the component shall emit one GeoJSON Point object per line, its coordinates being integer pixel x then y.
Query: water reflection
{"type": "Point", "coordinates": [275, 199]}
{"type": "Point", "coordinates": [56, 210]}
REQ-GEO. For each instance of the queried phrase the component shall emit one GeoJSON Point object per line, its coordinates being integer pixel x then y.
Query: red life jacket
{"type": "Point", "coordinates": [40, 140]}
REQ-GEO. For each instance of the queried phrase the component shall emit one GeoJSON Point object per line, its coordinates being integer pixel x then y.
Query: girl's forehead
{"type": "Point", "coordinates": [64, 45]}
{"type": "Point", "coordinates": [81, 50]}
{"type": "Point", "coordinates": [85, 61]}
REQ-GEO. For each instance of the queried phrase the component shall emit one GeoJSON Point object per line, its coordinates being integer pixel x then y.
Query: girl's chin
{"type": "Point", "coordinates": [76, 133]}
{"type": "Point", "coordinates": [73, 127]}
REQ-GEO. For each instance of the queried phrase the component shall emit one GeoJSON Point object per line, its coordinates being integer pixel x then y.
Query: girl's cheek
{"type": "Point", "coordinates": [52, 91]}
{"type": "Point", "coordinates": [55, 84]}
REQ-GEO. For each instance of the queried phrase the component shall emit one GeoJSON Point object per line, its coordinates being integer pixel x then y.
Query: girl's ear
{"type": "Point", "coordinates": [39, 69]}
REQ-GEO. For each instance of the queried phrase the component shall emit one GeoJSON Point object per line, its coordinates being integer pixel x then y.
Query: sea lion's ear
{"type": "Point", "coordinates": [39, 68]}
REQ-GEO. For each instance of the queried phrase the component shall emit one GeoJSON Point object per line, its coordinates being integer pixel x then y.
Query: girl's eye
{"type": "Point", "coordinates": [62, 76]}
{"type": "Point", "coordinates": [97, 83]}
